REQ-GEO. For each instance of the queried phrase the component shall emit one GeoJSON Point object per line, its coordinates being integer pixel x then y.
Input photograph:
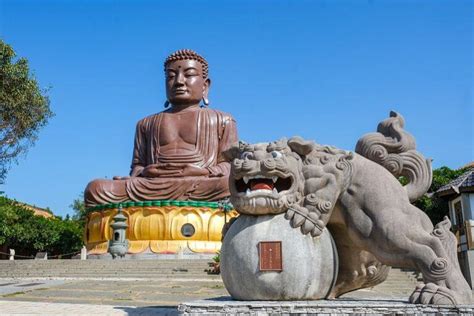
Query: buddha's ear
{"type": "Point", "coordinates": [207, 85]}
{"type": "Point", "coordinates": [234, 151]}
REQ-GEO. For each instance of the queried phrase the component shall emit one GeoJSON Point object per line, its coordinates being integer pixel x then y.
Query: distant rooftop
{"type": "Point", "coordinates": [463, 183]}
{"type": "Point", "coordinates": [468, 165]}
{"type": "Point", "coordinates": [38, 211]}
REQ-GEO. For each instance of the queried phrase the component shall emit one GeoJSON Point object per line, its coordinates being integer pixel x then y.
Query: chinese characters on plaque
{"type": "Point", "coordinates": [270, 256]}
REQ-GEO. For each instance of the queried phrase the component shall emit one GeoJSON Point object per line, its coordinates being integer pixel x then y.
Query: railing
{"type": "Point", "coordinates": [12, 255]}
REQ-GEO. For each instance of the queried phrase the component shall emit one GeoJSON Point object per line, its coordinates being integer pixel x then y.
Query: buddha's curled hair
{"type": "Point", "coordinates": [188, 54]}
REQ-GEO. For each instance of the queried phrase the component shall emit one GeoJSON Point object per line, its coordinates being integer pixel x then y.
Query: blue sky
{"type": "Point", "coordinates": [324, 70]}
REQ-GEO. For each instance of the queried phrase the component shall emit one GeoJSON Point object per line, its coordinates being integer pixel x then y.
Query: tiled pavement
{"type": "Point", "coordinates": [112, 297]}
{"type": "Point", "coordinates": [44, 308]}
{"type": "Point", "coordinates": [144, 295]}
{"type": "Point", "coordinates": [116, 292]}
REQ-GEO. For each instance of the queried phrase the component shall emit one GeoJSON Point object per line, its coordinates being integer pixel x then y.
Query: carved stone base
{"type": "Point", "coordinates": [160, 227]}
{"type": "Point", "coordinates": [227, 306]}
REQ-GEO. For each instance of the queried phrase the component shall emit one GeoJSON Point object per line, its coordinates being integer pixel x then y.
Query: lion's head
{"type": "Point", "coordinates": [266, 178]}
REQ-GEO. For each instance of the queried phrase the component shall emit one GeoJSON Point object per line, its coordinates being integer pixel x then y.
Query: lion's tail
{"type": "Point", "coordinates": [395, 149]}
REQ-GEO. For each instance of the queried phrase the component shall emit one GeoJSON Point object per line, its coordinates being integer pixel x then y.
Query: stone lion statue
{"type": "Point", "coordinates": [358, 198]}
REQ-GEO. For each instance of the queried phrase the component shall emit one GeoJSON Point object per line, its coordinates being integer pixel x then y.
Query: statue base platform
{"type": "Point", "coordinates": [227, 306]}
{"type": "Point", "coordinates": [187, 229]}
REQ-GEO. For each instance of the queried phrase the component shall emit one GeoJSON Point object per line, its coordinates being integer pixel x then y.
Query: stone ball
{"type": "Point", "coordinates": [309, 265]}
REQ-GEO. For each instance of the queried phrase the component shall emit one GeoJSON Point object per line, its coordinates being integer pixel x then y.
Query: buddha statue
{"type": "Point", "coordinates": [178, 153]}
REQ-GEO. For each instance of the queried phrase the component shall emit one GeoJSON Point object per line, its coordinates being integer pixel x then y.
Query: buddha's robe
{"type": "Point", "coordinates": [215, 133]}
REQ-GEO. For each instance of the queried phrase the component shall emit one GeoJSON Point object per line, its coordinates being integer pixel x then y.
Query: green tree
{"type": "Point", "coordinates": [24, 108]}
{"type": "Point", "coordinates": [79, 208]}
{"type": "Point", "coordinates": [70, 237]}
{"type": "Point", "coordinates": [435, 207]}
{"type": "Point", "coordinates": [21, 230]}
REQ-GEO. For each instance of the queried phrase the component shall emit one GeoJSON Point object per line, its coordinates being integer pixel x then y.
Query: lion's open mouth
{"type": "Point", "coordinates": [260, 183]}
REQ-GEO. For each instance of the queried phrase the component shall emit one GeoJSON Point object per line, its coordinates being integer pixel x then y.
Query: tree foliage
{"type": "Point", "coordinates": [24, 108]}
{"type": "Point", "coordinates": [21, 230]}
{"type": "Point", "coordinates": [80, 212]}
{"type": "Point", "coordinates": [435, 207]}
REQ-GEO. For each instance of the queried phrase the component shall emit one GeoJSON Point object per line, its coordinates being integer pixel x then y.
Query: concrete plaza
{"type": "Point", "coordinates": [98, 287]}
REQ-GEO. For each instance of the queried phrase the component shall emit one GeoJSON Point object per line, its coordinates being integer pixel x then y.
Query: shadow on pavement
{"type": "Point", "coordinates": [149, 310]}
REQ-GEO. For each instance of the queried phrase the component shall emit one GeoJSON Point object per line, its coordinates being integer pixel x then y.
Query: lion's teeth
{"type": "Point", "coordinates": [248, 191]}
{"type": "Point", "coordinates": [246, 179]}
{"type": "Point", "coordinates": [275, 191]}
{"type": "Point", "coordinates": [274, 179]}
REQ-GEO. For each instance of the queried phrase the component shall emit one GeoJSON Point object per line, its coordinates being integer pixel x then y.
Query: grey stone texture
{"type": "Point", "coordinates": [309, 264]}
{"type": "Point", "coordinates": [227, 306]}
{"type": "Point", "coordinates": [118, 245]}
{"type": "Point", "coordinates": [362, 203]}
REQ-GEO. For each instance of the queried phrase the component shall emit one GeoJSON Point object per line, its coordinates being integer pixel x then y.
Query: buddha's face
{"type": "Point", "coordinates": [185, 84]}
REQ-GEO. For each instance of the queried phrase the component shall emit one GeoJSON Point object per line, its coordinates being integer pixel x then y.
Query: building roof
{"type": "Point", "coordinates": [469, 165]}
{"type": "Point", "coordinates": [463, 183]}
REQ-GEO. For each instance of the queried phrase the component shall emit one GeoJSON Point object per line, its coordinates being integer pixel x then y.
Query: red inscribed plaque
{"type": "Point", "coordinates": [270, 256]}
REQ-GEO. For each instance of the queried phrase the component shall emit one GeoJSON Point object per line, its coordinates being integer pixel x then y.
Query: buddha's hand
{"type": "Point", "coordinates": [120, 178]}
{"type": "Point", "coordinates": [173, 170]}
{"type": "Point", "coordinates": [157, 170]}
{"type": "Point", "coordinates": [192, 170]}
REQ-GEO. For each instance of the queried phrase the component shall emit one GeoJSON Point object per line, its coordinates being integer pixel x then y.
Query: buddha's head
{"type": "Point", "coordinates": [187, 81]}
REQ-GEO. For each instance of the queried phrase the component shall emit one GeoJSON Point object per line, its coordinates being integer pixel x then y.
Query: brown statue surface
{"type": "Point", "coordinates": [178, 153]}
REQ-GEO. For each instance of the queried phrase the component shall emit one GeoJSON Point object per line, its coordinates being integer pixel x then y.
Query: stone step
{"type": "Point", "coordinates": [106, 272]}
{"type": "Point", "coordinates": [104, 265]}
{"type": "Point", "coordinates": [99, 261]}
{"type": "Point", "coordinates": [125, 276]}
{"type": "Point", "coordinates": [165, 268]}
{"type": "Point", "coordinates": [109, 272]}
{"type": "Point", "coordinates": [102, 272]}
{"type": "Point", "coordinates": [112, 263]}
{"type": "Point", "coordinates": [14, 273]}
{"type": "Point", "coordinates": [113, 269]}
{"type": "Point", "coordinates": [398, 281]}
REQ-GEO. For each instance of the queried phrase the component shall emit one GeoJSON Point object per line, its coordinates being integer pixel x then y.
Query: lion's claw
{"type": "Point", "coordinates": [289, 214]}
{"type": "Point", "coordinates": [431, 293]}
{"type": "Point", "coordinates": [307, 227]}
{"type": "Point", "coordinates": [309, 222]}
{"type": "Point", "coordinates": [317, 231]}
{"type": "Point", "coordinates": [297, 220]}
{"type": "Point", "coordinates": [416, 293]}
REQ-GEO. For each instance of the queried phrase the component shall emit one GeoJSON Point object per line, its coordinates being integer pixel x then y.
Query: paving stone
{"type": "Point", "coordinates": [139, 295]}
{"type": "Point", "coordinates": [44, 308]}
{"type": "Point", "coordinates": [15, 286]}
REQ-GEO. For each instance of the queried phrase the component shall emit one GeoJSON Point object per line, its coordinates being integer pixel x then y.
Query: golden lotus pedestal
{"type": "Point", "coordinates": [160, 227]}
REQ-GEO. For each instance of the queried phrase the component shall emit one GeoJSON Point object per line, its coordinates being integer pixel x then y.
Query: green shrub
{"type": "Point", "coordinates": [21, 230]}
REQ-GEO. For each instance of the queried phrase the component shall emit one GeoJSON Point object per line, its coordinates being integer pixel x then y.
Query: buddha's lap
{"type": "Point", "coordinates": [119, 187]}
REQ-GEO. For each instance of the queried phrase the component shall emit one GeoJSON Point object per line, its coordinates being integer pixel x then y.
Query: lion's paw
{"type": "Point", "coordinates": [308, 222]}
{"type": "Point", "coordinates": [431, 293]}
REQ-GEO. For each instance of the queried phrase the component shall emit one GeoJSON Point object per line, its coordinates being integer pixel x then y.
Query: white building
{"type": "Point", "coordinates": [460, 196]}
